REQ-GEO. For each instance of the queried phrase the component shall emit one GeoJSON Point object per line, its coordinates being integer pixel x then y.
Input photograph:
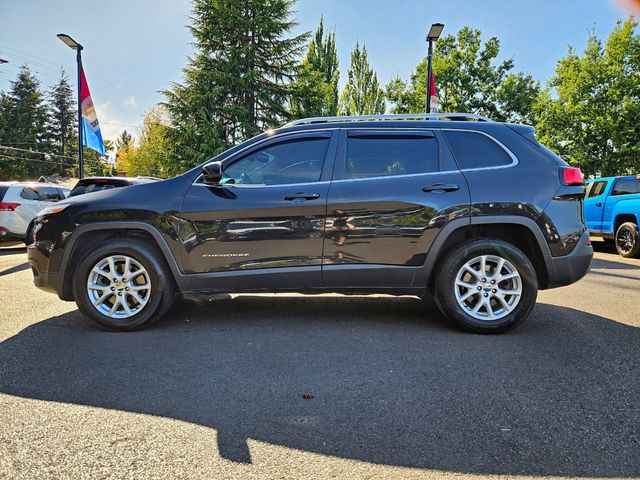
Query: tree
{"type": "Point", "coordinates": [24, 115]}
{"type": "Point", "coordinates": [149, 157]}
{"type": "Point", "coordinates": [238, 81]}
{"type": "Point", "coordinates": [468, 79]}
{"type": "Point", "coordinates": [362, 94]}
{"type": "Point", "coordinates": [590, 112]}
{"type": "Point", "coordinates": [62, 122]}
{"type": "Point", "coordinates": [316, 86]}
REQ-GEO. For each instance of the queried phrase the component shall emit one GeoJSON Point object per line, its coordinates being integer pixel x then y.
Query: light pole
{"type": "Point", "coordinates": [71, 43]}
{"type": "Point", "coordinates": [432, 36]}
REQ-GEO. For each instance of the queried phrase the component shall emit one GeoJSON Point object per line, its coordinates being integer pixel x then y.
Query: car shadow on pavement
{"type": "Point", "coordinates": [366, 378]}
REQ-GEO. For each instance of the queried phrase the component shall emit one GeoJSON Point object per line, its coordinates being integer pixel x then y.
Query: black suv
{"type": "Point", "coordinates": [475, 213]}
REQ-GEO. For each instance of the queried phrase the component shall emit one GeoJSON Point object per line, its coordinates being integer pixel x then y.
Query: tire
{"type": "Point", "coordinates": [495, 316]}
{"type": "Point", "coordinates": [627, 242]}
{"type": "Point", "coordinates": [151, 281]}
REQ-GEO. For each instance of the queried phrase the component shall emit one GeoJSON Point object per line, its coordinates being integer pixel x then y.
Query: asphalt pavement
{"type": "Point", "coordinates": [328, 386]}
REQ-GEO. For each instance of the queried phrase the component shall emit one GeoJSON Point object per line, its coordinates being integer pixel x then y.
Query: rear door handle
{"type": "Point", "coordinates": [301, 196]}
{"type": "Point", "coordinates": [599, 204]}
{"type": "Point", "coordinates": [441, 187]}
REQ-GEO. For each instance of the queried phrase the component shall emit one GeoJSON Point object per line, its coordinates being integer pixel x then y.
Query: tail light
{"type": "Point", "coordinates": [571, 176]}
{"type": "Point", "coordinates": [8, 206]}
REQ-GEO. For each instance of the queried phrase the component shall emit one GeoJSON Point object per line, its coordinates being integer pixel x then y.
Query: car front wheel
{"type": "Point", "coordinates": [123, 285]}
{"type": "Point", "coordinates": [486, 286]}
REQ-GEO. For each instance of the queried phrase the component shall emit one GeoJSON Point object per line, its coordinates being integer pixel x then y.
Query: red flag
{"type": "Point", "coordinates": [432, 93]}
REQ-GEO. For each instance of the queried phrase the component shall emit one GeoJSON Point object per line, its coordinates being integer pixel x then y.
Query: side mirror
{"type": "Point", "coordinates": [212, 173]}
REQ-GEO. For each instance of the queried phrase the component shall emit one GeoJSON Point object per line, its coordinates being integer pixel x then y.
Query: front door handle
{"type": "Point", "coordinates": [302, 196]}
{"type": "Point", "coordinates": [599, 204]}
{"type": "Point", "coordinates": [441, 187]}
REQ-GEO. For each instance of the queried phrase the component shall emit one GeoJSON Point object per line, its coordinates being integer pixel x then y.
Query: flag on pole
{"type": "Point", "coordinates": [91, 134]}
{"type": "Point", "coordinates": [432, 93]}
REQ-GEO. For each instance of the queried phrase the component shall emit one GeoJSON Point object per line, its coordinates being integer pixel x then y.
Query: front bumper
{"type": "Point", "coordinates": [568, 269]}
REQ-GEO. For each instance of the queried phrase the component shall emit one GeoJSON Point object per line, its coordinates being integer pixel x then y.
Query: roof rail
{"type": "Point", "coordinates": [471, 117]}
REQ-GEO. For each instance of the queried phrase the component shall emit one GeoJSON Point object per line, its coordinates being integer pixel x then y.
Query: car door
{"type": "Point", "coordinates": [594, 204]}
{"type": "Point", "coordinates": [393, 190]}
{"type": "Point", "coordinates": [30, 205]}
{"type": "Point", "coordinates": [267, 216]}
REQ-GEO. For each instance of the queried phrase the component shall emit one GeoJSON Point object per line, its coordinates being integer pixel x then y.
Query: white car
{"type": "Point", "coordinates": [20, 203]}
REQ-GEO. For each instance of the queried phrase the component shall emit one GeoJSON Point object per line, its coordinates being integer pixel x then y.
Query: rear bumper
{"type": "Point", "coordinates": [7, 235]}
{"type": "Point", "coordinates": [568, 269]}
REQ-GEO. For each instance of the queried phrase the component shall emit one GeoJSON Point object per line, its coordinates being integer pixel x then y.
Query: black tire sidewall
{"type": "Point", "coordinates": [161, 288]}
{"type": "Point", "coordinates": [636, 245]}
{"type": "Point", "coordinates": [446, 276]}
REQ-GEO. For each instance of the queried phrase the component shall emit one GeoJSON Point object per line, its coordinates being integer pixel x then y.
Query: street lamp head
{"type": "Point", "coordinates": [435, 31]}
{"type": "Point", "coordinates": [69, 41]}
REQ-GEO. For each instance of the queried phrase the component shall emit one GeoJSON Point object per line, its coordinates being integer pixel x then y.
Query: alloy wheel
{"type": "Point", "coordinates": [488, 287]}
{"type": "Point", "coordinates": [119, 286]}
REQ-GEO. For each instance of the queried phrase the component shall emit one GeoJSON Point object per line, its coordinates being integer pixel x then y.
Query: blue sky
{"type": "Point", "coordinates": [135, 48]}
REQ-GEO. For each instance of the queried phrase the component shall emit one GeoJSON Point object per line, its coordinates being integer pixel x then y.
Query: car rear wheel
{"type": "Point", "coordinates": [486, 286]}
{"type": "Point", "coordinates": [123, 285]}
{"type": "Point", "coordinates": [627, 243]}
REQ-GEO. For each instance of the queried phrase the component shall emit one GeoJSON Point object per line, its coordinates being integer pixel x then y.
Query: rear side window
{"type": "Point", "coordinates": [382, 156]}
{"type": "Point", "coordinates": [475, 150]}
{"type": "Point", "coordinates": [3, 191]}
{"type": "Point", "coordinates": [49, 194]}
{"type": "Point", "coordinates": [29, 193]}
{"type": "Point", "coordinates": [625, 186]}
{"type": "Point", "coordinates": [596, 189]}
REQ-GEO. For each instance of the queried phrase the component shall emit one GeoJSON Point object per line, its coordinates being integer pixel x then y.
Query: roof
{"type": "Point", "coordinates": [30, 184]}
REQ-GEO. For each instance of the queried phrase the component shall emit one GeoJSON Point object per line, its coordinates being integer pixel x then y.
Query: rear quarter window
{"type": "Point", "coordinates": [3, 192]}
{"type": "Point", "coordinates": [29, 193]}
{"type": "Point", "coordinates": [475, 150]}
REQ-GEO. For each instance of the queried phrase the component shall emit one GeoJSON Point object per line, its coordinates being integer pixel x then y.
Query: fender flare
{"type": "Point", "coordinates": [434, 254]}
{"type": "Point", "coordinates": [161, 243]}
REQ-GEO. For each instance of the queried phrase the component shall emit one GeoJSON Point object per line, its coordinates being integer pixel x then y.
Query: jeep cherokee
{"type": "Point", "coordinates": [474, 213]}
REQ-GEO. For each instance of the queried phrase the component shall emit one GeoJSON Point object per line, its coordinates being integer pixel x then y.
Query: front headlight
{"type": "Point", "coordinates": [53, 209]}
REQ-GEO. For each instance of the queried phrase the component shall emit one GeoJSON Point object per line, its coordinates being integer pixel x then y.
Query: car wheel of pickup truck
{"type": "Point", "coordinates": [486, 286]}
{"type": "Point", "coordinates": [123, 285]}
{"type": "Point", "coordinates": [627, 243]}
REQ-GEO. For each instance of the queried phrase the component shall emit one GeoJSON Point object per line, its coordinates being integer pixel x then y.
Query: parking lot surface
{"type": "Point", "coordinates": [292, 386]}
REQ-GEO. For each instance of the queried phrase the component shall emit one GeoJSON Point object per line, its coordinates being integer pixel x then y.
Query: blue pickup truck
{"type": "Point", "coordinates": [612, 211]}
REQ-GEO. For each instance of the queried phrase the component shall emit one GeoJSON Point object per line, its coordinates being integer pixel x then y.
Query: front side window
{"type": "Point", "coordinates": [475, 150]}
{"type": "Point", "coordinates": [377, 155]}
{"type": "Point", "coordinates": [595, 189]}
{"type": "Point", "coordinates": [289, 162]}
{"type": "Point", "coordinates": [625, 186]}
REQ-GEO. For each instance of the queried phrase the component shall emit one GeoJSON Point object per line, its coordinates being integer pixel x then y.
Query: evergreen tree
{"type": "Point", "coordinates": [24, 115]}
{"type": "Point", "coordinates": [124, 140]}
{"type": "Point", "coordinates": [362, 94]}
{"type": "Point", "coordinates": [62, 121]}
{"type": "Point", "coordinates": [316, 87]}
{"type": "Point", "coordinates": [238, 81]}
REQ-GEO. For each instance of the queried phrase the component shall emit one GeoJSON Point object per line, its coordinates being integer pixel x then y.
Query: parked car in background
{"type": "Point", "coordinates": [476, 213]}
{"type": "Point", "coordinates": [612, 212]}
{"type": "Point", "coordinates": [97, 184]}
{"type": "Point", "coordinates": [20, 203]}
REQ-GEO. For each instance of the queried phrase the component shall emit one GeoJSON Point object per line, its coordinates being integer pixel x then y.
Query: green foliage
{"type": "Point", "coordinates": [468, 79]}
{"type": "Point", "coordinates": [362, 94]}
{"type": "Point", "coordinates": [23, 115]}
{"type": "Point", "coordinates": [62, 122]}
{"type": "Point", "coordinates": [238, 81]}
{"type": "Point", "coordinates": [150, 156]}
{"type": "Point", "coordinates": [590, 112]}
{"type": "Point", "coordinates": [316, 85]}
